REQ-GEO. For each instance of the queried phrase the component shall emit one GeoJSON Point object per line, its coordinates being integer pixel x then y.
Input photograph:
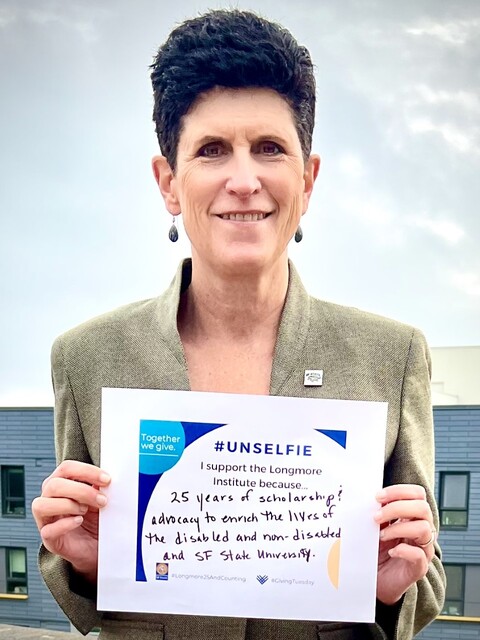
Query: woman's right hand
{"type": "Point", "coordinates": [67, 514]}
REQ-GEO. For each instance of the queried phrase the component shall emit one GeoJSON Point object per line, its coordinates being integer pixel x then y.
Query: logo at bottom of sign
{"type": "Point", "coordinates": [161, 571]}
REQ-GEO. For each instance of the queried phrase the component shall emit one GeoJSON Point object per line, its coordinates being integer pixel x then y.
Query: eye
{"type": "Point", "coordinates": [212, 150]}
{"type": "Point", "coordinates": [269, 148]}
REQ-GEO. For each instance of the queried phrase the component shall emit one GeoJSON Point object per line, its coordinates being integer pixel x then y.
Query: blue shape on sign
{"type": "Point", "coordinates": [340, 437]}
{"type": "Point", "coordinates": [146, 485]}
{"type": "Point", "coordinates": [195, 430]}
{"type": "Point", "coordinates": [161, 445]}
{"type": "Point", "coordinates": [262, 579]}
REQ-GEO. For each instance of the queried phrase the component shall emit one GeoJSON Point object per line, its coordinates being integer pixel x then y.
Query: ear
{"type": "Point", "coordinates": [165, 178]}
{"type": "Point", "coordinates": [312, 167]}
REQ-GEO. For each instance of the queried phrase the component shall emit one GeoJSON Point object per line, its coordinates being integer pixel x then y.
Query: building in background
{"type": "Point", "coordinates": [27, 457]}
{"type": "Point", "coordinates": [456, 400]}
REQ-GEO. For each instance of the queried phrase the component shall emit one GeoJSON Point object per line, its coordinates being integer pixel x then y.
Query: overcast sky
{"type": "Point", "coordinates": [393, 226]}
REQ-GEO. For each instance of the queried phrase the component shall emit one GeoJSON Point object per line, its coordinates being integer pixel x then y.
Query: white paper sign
{"type": "Point", "coordinates": [236, 505]}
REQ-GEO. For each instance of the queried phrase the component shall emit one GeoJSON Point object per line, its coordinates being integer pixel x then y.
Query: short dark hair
{"type": "Point", "coordinates": [234, 49]}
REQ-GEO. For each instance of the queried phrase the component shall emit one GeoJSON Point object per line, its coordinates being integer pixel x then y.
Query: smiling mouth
{"type": "Point", "coordinates": [244, 217]}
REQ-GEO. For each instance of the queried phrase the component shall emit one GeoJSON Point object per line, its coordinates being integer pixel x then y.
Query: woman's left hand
{"type": "Point", "coordinates": [407, 537]}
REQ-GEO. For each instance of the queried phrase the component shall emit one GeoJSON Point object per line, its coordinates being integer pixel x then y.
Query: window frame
{"type": "Point", "coordinates": [6, 499]}
{"type": "Point", "coordinates": [463, 567]}
{"type": "Point", "coordinates": [9, 578]}
{"type": "Point", "coordinates": [442, 508]}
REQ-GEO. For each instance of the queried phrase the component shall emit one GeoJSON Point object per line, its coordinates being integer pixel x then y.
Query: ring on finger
{"type": "Point", "coordinates": [431, 541]}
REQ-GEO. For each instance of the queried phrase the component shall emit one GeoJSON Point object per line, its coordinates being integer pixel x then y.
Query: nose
{"type": "Point", "coordinates": [243, 179]}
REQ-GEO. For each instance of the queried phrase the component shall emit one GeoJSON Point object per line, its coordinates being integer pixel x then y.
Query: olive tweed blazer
{"type": "Point", "coordinates": [363, 356]}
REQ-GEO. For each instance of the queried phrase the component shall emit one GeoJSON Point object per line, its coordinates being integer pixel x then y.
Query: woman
{"type": "Point", "coordinates": [234, 113]}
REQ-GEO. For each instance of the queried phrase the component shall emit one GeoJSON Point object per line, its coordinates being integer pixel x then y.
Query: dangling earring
{"type": "Point", "coordinates": [173, 232]}
{"type": "Point", "coordinates": [298, 234]}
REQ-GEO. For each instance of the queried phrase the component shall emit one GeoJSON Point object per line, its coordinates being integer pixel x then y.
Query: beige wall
{"type": "Point", "coordinates": [455, 375]}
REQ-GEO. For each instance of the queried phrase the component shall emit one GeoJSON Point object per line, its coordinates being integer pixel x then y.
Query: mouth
{"type": "Point", "coordinates": [250, 216]}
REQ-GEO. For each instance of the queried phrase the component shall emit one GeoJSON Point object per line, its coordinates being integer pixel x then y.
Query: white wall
{"type": "Point", "coordinates": [455, 375]}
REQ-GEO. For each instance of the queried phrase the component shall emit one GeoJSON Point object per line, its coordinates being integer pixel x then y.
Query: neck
{"type": "Point", "coordinates": [243, 306]}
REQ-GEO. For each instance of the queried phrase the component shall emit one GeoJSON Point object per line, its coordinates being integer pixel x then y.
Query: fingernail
{"type": "Point", "coordinates": [83, 508]}
{"type": "Point", "coordinates": [104, 478]}
{"type": "Point", "coordinates": [381, 495]}
{"type": "Point", "coordinates": [101, 500]}
{"type": "Point", "coordinates": [377, 515]}
{"type": "Point", "coordinates": [382, 533]}
{"type": "Point", "coordinates": [78, 519]}
{"type": "Point", "coordinates": [392, 552]}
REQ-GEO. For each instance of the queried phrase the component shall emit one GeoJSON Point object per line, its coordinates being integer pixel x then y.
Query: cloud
{"type": "Point", "coordinates": [416, 79]}
{"type": "Point", "coordinates": [85, 28]}
{"type": "Point", "coordinates": [448, 230]}
{"type": "Point", "coordinates": [461, 141]}
{"type": "Point", "coordinates": [453, 33]}
{"type": "Point", "coordinates": [451, 115]}
{"type": "Point", "coordinates": [7, 16]}
{"type": "Point", "coordinates": [374, 213]}
{"type": "Point", "coordinates": [72, 16]}
{"type": "Point", "coordinates": [352, 165]}
{"type": "Point", "coordinates": [465, 99]}
{"type": "Point", "coordinates": [467, 281]}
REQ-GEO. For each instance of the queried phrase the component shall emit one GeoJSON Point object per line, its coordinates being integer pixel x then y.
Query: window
{"type": "Point", "coordinates": [462, 598]}
{"type": "Point", "coordinates": [13, 578]}
{"type": "Point", "coordinates": [454, 596]}
{"type": "Point", "coordinates": [454, 488]}
{"type": "Point", "coordinates": [13, 491]}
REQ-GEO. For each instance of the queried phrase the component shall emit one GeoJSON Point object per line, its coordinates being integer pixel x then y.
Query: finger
{"type": "Point", "coordinates": [418, 532]}
{"type": "Point", "coordinates": [53, 533]}
{"type": "Point", "coordinates": [408, 509]}
{"type": "Point", "coordinates": [82, 472]}
{"type": "Point", "coordinates": [401, 492]}
{"type": "Point", "coordinates": [58, 487]}
{"type": "Point", "coordinates": [46, 508]}
{"type": "Point", "coordinates": [414, 556]}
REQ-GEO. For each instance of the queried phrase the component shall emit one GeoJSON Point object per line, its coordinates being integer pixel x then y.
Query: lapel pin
{"type": "Point", "coordinates": [313, 378]}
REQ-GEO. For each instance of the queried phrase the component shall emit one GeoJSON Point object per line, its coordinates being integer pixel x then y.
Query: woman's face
{"type": "Point", "coordinates": [241, 182]}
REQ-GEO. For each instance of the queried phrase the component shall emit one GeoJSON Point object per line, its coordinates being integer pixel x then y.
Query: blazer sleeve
{"type": "Point", "coordinates": [413, 461]}
{"type": "Point", "coordinates": [76, 598]}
